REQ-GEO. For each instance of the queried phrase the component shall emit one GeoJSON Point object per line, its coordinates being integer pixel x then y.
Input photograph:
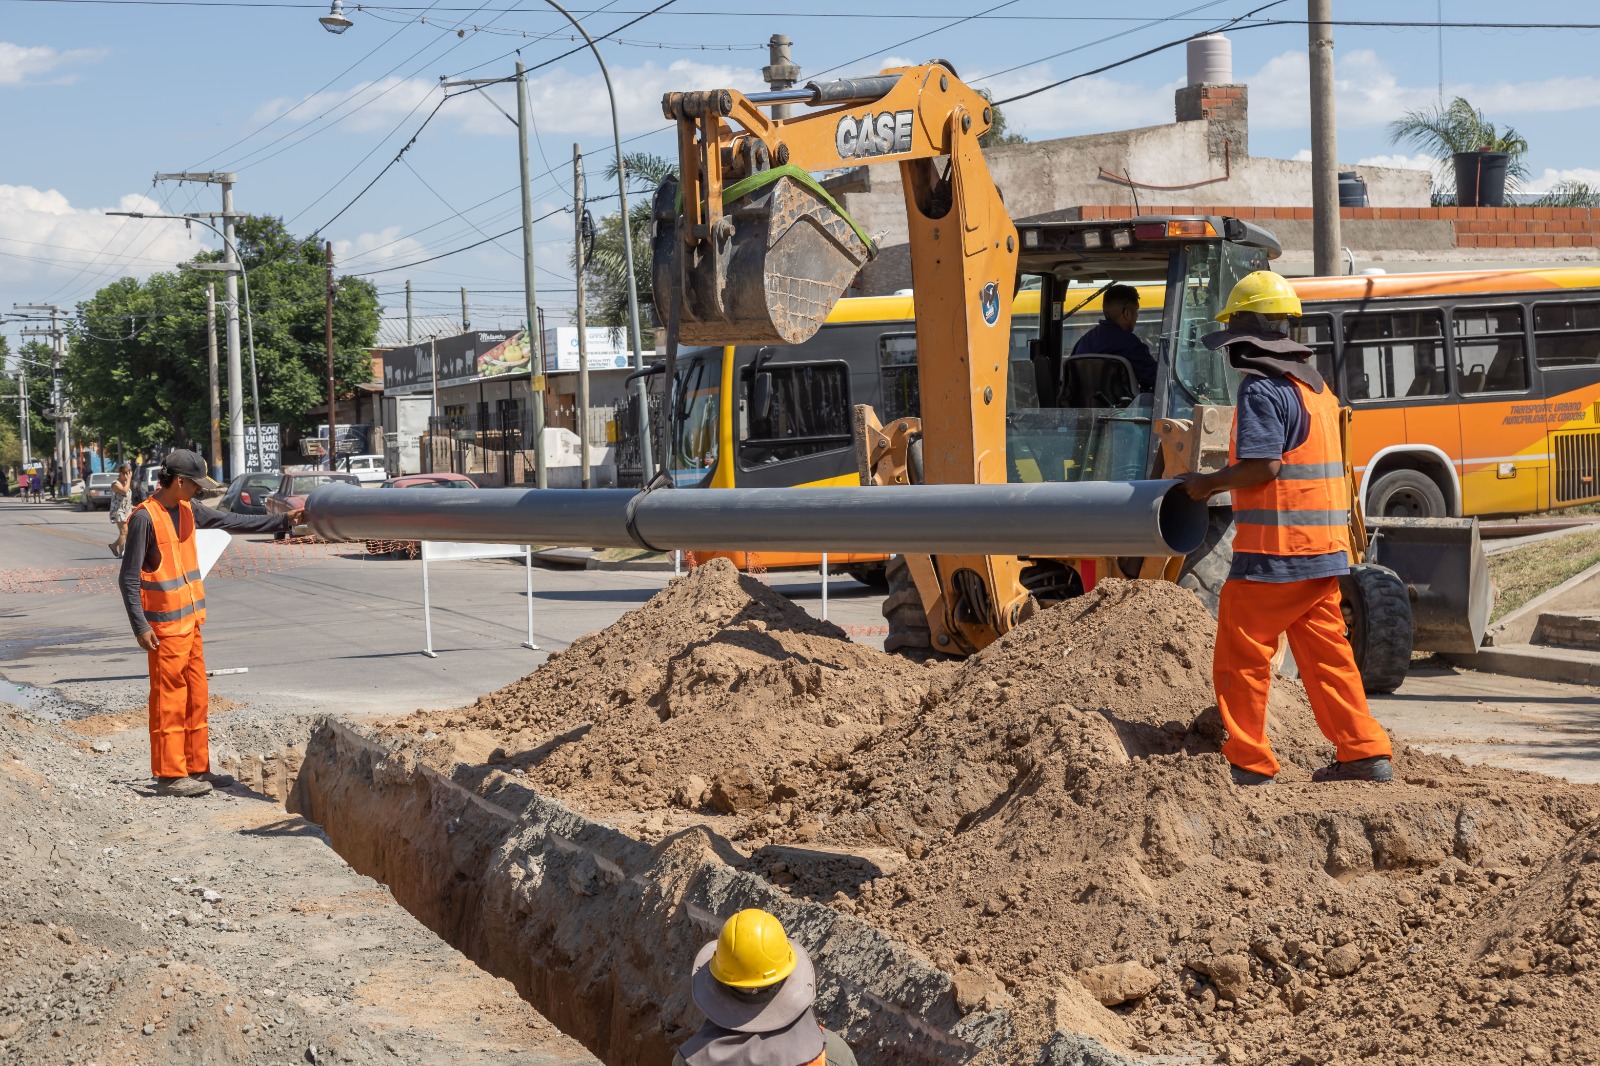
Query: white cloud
{"type": "Point", "coordinates": [1085, 106]}
{"type": "Point", "coordinates": [1552, 177]}
{"type": "Point", "coordinates": [46, 243]}
{"type": "Point", "coordinates": [371, 251]}
{"type": "Point", "coordinates": [1304, 156]}
{"type": "Point", "coordinates": [564, 100]}
{"type": "Point", "coordinates": [25, 65]}
{"type": "Point", "coordinates": [1399, 161]}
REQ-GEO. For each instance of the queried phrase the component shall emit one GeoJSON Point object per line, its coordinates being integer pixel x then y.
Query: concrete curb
{"type": "Point", "coordinates": [1537, 663]}
{"type": "Point", "coordinates": [1532, 609]}
{"type": "Point", "coordinates": [599, 931]}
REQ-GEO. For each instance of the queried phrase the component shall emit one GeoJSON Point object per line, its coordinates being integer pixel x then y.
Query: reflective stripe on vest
{"type": "Point", "coordinates": [172, 595]}
{"type": "Point", "coordinates": [1304, 510]}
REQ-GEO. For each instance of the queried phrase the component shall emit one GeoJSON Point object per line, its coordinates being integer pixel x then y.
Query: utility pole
{"type": "Point", "coordinates": [216, 396]}
{"type": "Point", "coordinates": [63, 448]}
{"type": "Point", "coordinates": [582, 316]}
{"type": "Point", "coordinates": [408, 310]}
{"type": "Point", "coordinates": [466, 319]}
{"type": "Point", "coordinates": [1324, 141]}
{"type": "Point", "coordinates": [27, 412]}
{"type": "Point", "coordinates": [230, 310]}
{"type": "Point", "coordinates": [333, 436]}
{"type": "Point", "coordinates": [536, 383]}
{"type": "Point", "coordinates": [780, 73]}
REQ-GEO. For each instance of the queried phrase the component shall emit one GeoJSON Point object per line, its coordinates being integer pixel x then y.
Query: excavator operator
{"type": "Point", "coordinates": [1113, 335]}
{"type": "Point", "coordinates": [1286, 472]}
{"type": "Point", "coordinates": [756, 988]}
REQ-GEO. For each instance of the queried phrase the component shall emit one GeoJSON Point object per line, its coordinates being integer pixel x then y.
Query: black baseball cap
{"type": "Point", "coordinates": [190, 465]}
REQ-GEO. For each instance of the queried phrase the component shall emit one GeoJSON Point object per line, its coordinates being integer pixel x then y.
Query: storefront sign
{"type": "Point", "coordinates": [462, 360]}
{"type": "Point", "coordinates": [608, 349]}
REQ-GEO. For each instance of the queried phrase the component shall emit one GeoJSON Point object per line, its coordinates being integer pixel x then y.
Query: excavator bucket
{"type": "Point", "coordinates": [1442, 564]}
{"type": "Point", "coordinates": [777, 261]}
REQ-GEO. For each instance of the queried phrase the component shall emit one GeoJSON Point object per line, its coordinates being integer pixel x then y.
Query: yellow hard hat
{"type": "Point", "coordinates": [752, 951]}
{"type": "Point", "coordinates": [1263, 292]}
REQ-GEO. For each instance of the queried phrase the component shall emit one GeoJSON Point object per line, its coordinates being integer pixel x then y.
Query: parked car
{"type": "Point", "coordinates": [410, 549]}
{"type": "Point", "coordinates": [294, 488]}
{"type": "Point", "coordinates": [247, 493]}
{"type": "Point", "coordinates": [368, 469]}
{"type": "Point", "coordinates": [145, 482]}
{"type": "Point", "coordinates": [97, 493]}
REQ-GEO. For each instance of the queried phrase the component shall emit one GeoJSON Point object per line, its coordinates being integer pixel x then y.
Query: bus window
{"type": "Point", "coordinates": [1491, 351]}
{"type": "Point", "coordinates": [1316, 333]}
{"type": "Point", "coordinates": [1393, 355]}
{"type": "Point", "coordinates": [1566, 334]}
{"type": "Point", "coordinates": [807, 410]}
{"type": "Point", "coordinates": [897, 371]}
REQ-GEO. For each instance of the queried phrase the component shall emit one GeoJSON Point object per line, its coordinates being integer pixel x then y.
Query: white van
{"type": "Point", "coordinates": [368, 469]}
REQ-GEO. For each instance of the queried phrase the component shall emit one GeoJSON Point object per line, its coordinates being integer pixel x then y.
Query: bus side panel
{"type": "Point", "coordinates": [1505, 459]}
{"type": "Point", "coordinates": [1371, 430]}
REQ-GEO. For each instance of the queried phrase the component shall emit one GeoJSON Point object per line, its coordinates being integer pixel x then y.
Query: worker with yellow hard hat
{"type": "Point", "coordinates": [1286, 473]}
{"type": "Point", "coordinates": [756, 988]}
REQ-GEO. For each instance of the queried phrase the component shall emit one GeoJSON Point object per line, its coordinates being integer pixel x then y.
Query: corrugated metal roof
{"type": "Point", "coordinates": [392, 331]}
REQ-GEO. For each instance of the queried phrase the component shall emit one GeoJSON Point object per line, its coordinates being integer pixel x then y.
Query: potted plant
{"type": "Point", "coordinates": [1487, 160]}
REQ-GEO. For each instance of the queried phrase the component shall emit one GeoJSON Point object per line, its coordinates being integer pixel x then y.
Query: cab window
{"type": "Point", "coordinates": [897, 374]}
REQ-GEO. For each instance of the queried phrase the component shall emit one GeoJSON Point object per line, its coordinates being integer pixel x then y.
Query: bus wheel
{"type": "Point", "coordinates": [1406, 494]}
{"type": "Point", "coordinates": [871, 575]}
{"type": "Point", "coordinates": [908, 622]}
{"type": "Point", "coordinates": [1377, 618]}
{"type": "Point", "coordinates": [1206, 568]}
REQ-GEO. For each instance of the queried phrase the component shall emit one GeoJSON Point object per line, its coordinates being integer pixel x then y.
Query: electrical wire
{"type": "Point", "coordinates": [1103, 40]}
{"type": "Point", "coordinates": [397, 157]}
{"type": "Point", "coordinates": [568, 52]}
{"type": "Point", "coordinates": [918, 37]}
{"type": "Point", "coordinates": [438, 196]}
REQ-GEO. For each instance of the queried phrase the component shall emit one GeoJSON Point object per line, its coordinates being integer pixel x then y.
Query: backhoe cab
{"type": "Point", "coordinates": [750, 250]}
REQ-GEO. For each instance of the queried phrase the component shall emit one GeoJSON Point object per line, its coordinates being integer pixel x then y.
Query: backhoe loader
{"type": "Point", "coordinates": [749, 249]}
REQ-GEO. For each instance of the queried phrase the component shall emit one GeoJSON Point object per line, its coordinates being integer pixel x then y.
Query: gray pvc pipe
{"type": "Point", "coordinates": [1120, 518]}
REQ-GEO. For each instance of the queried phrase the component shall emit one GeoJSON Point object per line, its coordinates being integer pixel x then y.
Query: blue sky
{"type": "Point", "coordinates": [98, 98]}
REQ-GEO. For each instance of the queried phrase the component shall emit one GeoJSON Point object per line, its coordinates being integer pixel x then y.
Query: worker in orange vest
{"type": "Point", "coordinates": [756, 988]}
{"type": "Point", "coordinates": [1291, 544]}
{"type": "Point", "coordinates": [166, 604]}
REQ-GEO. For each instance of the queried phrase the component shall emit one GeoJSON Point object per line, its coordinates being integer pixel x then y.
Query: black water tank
{"type": "Point", "coordinates": [1352, 189]}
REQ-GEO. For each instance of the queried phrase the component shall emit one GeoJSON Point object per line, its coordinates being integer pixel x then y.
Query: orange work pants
{"type": "Point", "coordinates": [179, 741]}
{"type": "Point", "coordinates": [1251, 617]}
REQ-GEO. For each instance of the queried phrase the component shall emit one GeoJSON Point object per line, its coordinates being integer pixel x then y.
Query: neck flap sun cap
{"type": "Point", "coordinates": [190, 465]}
{"type": "Point", "coordinates": [762, 1011]}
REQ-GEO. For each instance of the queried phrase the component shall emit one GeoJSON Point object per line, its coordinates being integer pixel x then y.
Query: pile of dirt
{"type": "Point", "coordinates": [1052, 821]}
{"type": "Point", "coordinates": [716, 693]}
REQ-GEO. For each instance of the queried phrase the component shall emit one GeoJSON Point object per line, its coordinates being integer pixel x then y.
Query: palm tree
{"type": "Point", "coordinates": [1443, 131]}
{"type": "Point", "coordinates": [606, 271]}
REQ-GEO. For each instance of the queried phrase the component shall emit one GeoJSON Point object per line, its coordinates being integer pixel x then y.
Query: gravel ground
{"type": "Point", "coordinates": [141, 930]}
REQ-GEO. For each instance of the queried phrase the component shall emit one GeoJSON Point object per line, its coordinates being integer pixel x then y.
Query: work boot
{"type": "Point", "coordinates": [1377, 768]}
{"type": "Point", "coordinates": [216, 780]}
{"type": "Point", "coordinates": [1248, 778]}
{"type": "Point", "coordinates": [187, 787]}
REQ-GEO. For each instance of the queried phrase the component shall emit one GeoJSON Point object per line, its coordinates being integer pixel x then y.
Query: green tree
{"type": "Point", "coordinates": [998, 132]}
{"type": "Point", "coordinates": [137, 366]}
{"type": "Point", "coordinates": [606, 272]}
{"type": "Point", "coordinates": [1459, 127]}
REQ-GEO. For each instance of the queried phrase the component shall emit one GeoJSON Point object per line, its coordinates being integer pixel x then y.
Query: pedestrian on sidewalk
{"type": "Point", "coordinates": [121, 507]}
{"type": "Point", "coordinates": [1286, 471]}
{"type": "Point", "coordinates": [166, 604]}
{"type": "Point", "coordinates": [756, 988]}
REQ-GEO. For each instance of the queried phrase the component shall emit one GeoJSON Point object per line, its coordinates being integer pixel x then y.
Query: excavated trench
{"type": "Point", "coordinates": [598, 930]}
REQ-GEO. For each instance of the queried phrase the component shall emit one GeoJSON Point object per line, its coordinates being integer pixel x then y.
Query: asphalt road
{"type": "Point", "coordinates": [332, 629]}
{"type": "Point", "coordinates": [324, 628]}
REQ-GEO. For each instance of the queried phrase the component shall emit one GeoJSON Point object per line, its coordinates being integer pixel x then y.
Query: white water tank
{"type": "Point", "coordinates": [1211, 60]}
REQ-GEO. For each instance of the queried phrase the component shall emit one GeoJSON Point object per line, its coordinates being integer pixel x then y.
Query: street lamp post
{"type": "Point", "coordinates": [235, 402]}
{"type": "Point", "coordinates": [645, 448]}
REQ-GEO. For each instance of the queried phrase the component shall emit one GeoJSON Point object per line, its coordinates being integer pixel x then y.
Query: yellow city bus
{"type": "Point", "coordinates": [1474, 392]}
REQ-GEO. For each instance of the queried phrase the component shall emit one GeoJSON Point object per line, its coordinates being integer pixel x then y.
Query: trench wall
{"type": "Point", "coordinates": [598, 930]}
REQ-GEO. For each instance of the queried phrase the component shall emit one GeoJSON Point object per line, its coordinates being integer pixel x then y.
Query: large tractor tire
{"type": "Point", "coordinates": [908, 622]}
{"type": "Point", "coordinates": [1377, 616]}
{"type": "Point", "coordinates": [871, 575]}
{"type": "Point", "coordinates": [1206, 568]}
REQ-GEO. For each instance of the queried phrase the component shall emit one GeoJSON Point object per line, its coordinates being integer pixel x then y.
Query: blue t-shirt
{"type": "Point", "coordinates": [1108, 338]}
{"type": "Point", "coordinates": [1272, 420]}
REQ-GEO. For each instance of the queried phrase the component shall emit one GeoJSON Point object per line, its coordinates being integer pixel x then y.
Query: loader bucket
{"type": "Point", "coordinates": [776, 263]}
{"type": "Point", "coordinates": [1442, 564]}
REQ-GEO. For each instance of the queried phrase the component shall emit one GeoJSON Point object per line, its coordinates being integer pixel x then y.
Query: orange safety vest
{"type": "Point", "coordinates": [172, 596]}
{"type": "Point", "coordinates": [1305, 509]}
